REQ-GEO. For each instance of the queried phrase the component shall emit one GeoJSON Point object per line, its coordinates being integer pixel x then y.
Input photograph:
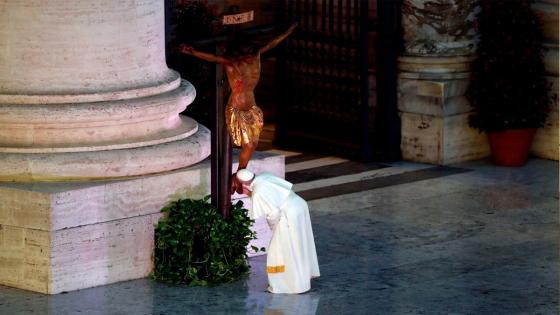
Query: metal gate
{"type": "Point", "coordinates": [325, 102]}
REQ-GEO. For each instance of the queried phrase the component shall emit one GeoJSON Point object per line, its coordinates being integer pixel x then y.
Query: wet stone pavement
{"type": "Point", "coordinates": [396, 238]}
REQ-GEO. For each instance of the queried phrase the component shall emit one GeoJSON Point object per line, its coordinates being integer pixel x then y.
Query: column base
{"type": "Point", "coordinates": [65, 236]}
{"type": "Point", "coordinates": [434, 120]}
{"type": "Point", "coordinates": [106, 164]}
{"type": "Point", "coordinates": [441, 140]}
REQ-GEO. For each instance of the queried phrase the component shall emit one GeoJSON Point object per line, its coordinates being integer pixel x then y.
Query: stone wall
{"type": "Point", "coordinates": [546, 141]}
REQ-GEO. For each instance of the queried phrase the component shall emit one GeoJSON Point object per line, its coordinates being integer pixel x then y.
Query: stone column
{"type": "Point", "coordinates": [433, 78]}
{"type": "Point", "coordinates": [546, 141]}
{"type": "Point", "coordinates": [85, 93]}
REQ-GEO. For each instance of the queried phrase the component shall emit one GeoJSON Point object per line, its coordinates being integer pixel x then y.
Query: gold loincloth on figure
{"type": "Point", "coordinates": [244, 125]}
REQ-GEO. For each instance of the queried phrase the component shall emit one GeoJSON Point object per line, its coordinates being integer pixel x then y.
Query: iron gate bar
{"type": "Point", "coordinates": [326, 77]}
{"type": "Point", "coordinates": [367, 153]}
{"type": "Point", "coordinates": [387, 122]}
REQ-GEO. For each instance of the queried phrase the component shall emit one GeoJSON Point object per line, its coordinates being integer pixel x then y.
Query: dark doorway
{"type": "Point", "coordinates": [328, 69]}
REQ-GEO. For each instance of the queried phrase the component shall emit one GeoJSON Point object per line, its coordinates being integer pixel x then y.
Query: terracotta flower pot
{"type": "Point", "coordinates": [511, 147]}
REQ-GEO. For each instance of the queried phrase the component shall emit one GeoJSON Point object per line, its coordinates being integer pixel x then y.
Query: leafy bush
{"type": "Point", "coordinates": [508, 87]}
{"type": "Point", "coordinates": [194, 245]}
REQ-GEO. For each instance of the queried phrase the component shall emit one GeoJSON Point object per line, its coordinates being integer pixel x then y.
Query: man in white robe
{"type": "Point", "coordinates": [292, 259]}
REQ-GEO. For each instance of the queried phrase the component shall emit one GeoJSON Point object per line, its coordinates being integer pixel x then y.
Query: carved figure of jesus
{"type": "Point", "coordinates": [243, 117]}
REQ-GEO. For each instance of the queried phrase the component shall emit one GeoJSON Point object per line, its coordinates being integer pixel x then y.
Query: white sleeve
{"type": "Point", "coordinates": [259, 207]}
{"type": "Point", "coordinates": [269, 193]}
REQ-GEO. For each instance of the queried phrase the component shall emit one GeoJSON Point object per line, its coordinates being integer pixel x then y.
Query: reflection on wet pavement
{"type": "Point", "coordinates": [480, 241]}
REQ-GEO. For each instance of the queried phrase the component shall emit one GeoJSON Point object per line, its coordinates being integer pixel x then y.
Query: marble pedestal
{"type": "Point", "coordinates": [434, 112]}
{"type": "Point", "coordinates": [64, 236]}
{"type": "Point", "coordinates": [434, 70]}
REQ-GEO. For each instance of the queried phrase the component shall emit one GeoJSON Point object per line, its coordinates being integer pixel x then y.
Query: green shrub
{"type": "Point", "coordinates": [508, 87]}
{"type": "Point", "coordinates": [194, 245]}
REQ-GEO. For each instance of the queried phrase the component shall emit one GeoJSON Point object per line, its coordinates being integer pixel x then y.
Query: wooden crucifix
{"type": "Point", "coordinates": [241, 120]}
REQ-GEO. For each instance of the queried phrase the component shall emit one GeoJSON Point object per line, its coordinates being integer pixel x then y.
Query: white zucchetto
{"type": "Point", "coordinates": [245, 175]}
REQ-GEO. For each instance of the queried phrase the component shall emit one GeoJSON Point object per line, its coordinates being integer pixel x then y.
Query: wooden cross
{"type": "Point", "coordinates": [221, 152]}
{"type": "Point", "coordinates": [221, 160]}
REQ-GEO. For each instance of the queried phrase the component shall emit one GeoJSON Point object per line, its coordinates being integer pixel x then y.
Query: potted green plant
{"type": "Point", "coordinates": [508, 88]}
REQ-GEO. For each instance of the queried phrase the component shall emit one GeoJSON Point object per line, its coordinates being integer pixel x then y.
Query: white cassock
{"type": "Point", "coordinates": [291, 260]}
